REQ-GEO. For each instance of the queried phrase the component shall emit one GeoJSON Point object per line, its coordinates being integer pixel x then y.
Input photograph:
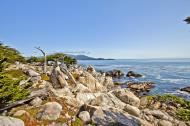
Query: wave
{"type": "Point", "coordinates": [158, 77]}
{"type": "Point", "coordinates": [172, 80]}
{"type": "Point", "coordinates": [183, 94]}
{"type": "Point", "coordinates": [168, 76]}
{"type": "Point", "coordinates": [101, 65]}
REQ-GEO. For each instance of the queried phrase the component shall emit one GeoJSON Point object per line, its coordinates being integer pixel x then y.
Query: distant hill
{"type": "Point", "coordinates": [84, 57]}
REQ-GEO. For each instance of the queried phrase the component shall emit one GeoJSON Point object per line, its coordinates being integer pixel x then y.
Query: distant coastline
{"type": "Point", "coordinates": [84, 57]}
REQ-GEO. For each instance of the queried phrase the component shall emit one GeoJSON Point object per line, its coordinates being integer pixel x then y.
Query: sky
{"type": "Point", "coordinates": [120, 29]}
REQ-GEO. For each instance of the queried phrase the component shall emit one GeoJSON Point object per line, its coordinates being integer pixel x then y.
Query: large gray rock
{"type": "Point", "coordinates": [91, 69]}
{"type": "Point", "coordinates": [73, 101]}
{"type": "Point", "coordinates": [127, 97]}
{"type": "Point", "coordinates": [149, 118]}
{"type": "Point", "coordinates": [157, 114]}
{"type": "Point", "coordinates": [32, 73]}
{"type": "Point", "coordinates": [133, 74]}
{"type": "Point", "coordinates": [108, 100]}
{"type": "Point", "coordinates": [112, 116]}
{"type": "Point", "coordinates": [58, 78]}
{"type": "Point", "coordinates": [21, 113]}
{"type": "Point", "coordinates": [106, 81]}
{"type": "Point", "coordinates": [109, 116]}
{"type": "Point", "coordinates": [57, 124]}
{"type": "Point", "coordinates": [143, 102]}
{"type": "Point", "coordinates": [91, 83]}
{"type": "Point", "coordinates": [115, 73]}
{"type": "Point", "coordinates": [103, 100]}
{"type": "Point", "coordinates": [86, 98]}
{"type": "Point", "coordinates": [116, 101]}
{"type": "Point", "coordinates": [164, 123]}
{"type": "Point", "coordinates": [35, 80]}
{"type": "Point", "coordinates": [157, 105]}
{"type": "Point", "coordinates": [132, 110]}
{"type": "Point", "coordinates": [36, 102]}
{"type": "Point", "coordinates": [186, 89]}
{"type": "Point", "coordinates": [81, 88]}
{"type": "Point", "coordinates": [10, 121]}
{"type": "Point", "coordinates": [62, 92]}
{"type": "Point", "coordinates": [43, 84]}
{"type": "Point", "coordinates": [180, 123]}
{"type": "Point", "coordinates": [140, 86]}
{"type": "Point", "coordinates": [50, 111]}
{"type": "Point", "coordinates": [40, 92]}
{"type": "Point", "coordinates": [84, 116]}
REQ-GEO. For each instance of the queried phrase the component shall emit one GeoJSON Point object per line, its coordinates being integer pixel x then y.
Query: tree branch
{"type": "Point", "coordinates": [45, 62]}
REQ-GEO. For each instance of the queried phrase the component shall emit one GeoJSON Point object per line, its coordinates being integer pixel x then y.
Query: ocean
{"type": "Point", "coordinates": [169, 74]}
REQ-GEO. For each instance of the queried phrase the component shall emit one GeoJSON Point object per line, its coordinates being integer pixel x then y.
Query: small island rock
{"type": "Point", "coordinates": [133, 74]}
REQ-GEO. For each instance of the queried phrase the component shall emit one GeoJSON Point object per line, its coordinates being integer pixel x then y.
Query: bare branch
{"type": "Point", "coordinates": [45, 60]}
{"type": "Point", "coordinates": [41, 50]}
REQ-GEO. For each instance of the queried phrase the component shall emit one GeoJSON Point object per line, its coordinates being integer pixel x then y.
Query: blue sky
{"type": "Point", "coordinates": [104, 28]}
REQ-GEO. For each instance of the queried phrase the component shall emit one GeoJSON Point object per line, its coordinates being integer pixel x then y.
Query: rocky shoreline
{"type": "Point", "coordinates": [78, 96]}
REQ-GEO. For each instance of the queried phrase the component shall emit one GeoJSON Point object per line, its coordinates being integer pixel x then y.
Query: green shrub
{"type": "Point", "coordinates": [174, 99]}
{"type": "Point", "coordinates": [10, 54]}
{"type": "Point", "coordinates": [61, 57]}
{"type": "Point", "coordinates": [15, 73]}
{"type": "Point", "coordinates": [78, 122]}
{"type": "Point", "coordinates": [2, 64]}
{"type": "Point", "coordinates": [54, 57]}
{"type": "Point", "coordinates": [10, 90]}
{"type": "Point", "coordinates": [183, 114]}
{"type": "Point", "coordinates": [68, 60]}
{"type": "Point", "coordinates": [150, 98]}
{"type": "Point", "coordinates": [170, 98]}
{"type": "Point", "coordinates": [34, 59]}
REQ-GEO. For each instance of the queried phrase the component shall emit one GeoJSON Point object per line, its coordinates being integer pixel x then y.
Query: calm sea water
{"type": "Point", "coordinates": [169, 74]}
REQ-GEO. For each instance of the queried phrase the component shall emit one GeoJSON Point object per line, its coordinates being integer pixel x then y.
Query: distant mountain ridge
{"type": "Point", "coordinates": [84, 57]}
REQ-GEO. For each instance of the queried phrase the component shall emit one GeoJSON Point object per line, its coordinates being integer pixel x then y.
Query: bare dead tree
{"type": "Point", "coordinates": [45, 60]}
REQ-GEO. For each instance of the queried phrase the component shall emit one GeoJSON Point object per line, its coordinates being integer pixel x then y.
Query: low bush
{"type": "Point", "coordinates": [10, 91]}
{"type": "Point", "coordinates": [54, 57]}
{"type": "Point", "coordinates": [183, 112]}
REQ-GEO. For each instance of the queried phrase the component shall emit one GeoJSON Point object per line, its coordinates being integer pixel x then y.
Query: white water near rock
{"type": "Point", "coordinates": [169, 74]}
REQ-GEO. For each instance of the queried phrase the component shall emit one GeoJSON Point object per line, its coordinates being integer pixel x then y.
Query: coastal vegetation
{"type": "Point", "coordinates": [10, 90]}
{"type": "Point", "coordinates": [54, 57]}
{"type": "Point", "coordinates": [170, 99]}
{"type": "Point", "coordinates": [182, 105]}
{"type": "Point", "coordinates": [9, 55]}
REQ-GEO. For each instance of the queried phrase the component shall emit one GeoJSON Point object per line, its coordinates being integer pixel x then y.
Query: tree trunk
{"type": "Point", "coordinates": [45, 60]}
{"type": "Point", "coordinates": [45, 63]}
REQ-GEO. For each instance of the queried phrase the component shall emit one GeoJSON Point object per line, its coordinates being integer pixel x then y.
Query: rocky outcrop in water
{"type": "Point", "coordinates": [133, 74]}
{"type": "Point", "coordinates": [140, 86]}
{"type": "Point", "coordinates": [115, 73]}
{"type": "Point", "coordinates": [186, 89]}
